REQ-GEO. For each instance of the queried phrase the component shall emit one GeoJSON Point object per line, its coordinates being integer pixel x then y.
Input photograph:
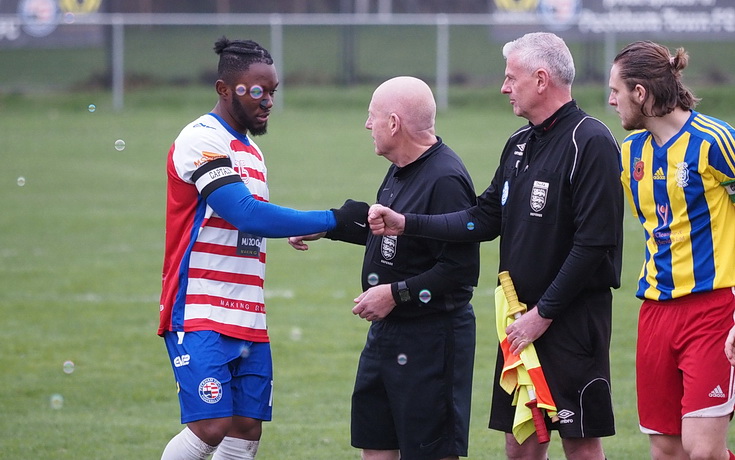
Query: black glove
{"type": "Point", "coordinates": [351, 222]}
{"type": "Point", "coordinates": [352, 213]}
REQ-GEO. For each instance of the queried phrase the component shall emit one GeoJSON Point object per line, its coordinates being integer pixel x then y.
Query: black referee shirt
{"type": "Point", "coordinates": [556, 202]}
{"type": "Point", "coordinates": [440, 276]}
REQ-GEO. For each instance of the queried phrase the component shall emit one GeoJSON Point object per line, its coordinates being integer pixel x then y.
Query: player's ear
{"type": "Point", "coordinates": [639, 92]}
{"type": "Point", "coordinates": [222, 89]}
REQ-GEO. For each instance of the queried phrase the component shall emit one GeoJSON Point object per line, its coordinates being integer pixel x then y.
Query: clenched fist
{"type": "Point", "coordinates": [385, 221]}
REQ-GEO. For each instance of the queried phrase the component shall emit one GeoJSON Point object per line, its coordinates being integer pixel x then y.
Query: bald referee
{"type": "Point", "coordinates": [414, 380]}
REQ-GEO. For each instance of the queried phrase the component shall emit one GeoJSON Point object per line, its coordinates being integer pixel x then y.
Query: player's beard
{"type": "Point", "coordinates": [635, 119]}
{"type": "Point", "coordinates": [634, 123]}
{"type": "Point", "coordinates": [250, 124]}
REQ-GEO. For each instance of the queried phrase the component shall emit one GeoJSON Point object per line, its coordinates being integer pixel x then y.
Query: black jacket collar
{"type": "Point", "coordinates": [552, 122]}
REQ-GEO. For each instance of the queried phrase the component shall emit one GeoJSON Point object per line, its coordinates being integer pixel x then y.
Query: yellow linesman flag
{"type": "Point", "coordinates": [521, 373]}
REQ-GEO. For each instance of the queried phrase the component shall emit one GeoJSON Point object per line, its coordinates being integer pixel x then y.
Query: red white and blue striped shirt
{"type": "Point", "coordinates": [208, 283]}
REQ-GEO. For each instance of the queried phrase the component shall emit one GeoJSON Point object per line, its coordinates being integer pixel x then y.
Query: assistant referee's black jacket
{"type": "Point", "coordinates": [440, 276]}
{"type": "Point", "coordinates": [556, 202]}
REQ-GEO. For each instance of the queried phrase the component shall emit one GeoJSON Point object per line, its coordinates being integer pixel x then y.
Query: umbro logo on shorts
{"type": "Point", "coordinates": [565, 416]}
{"type": "Point", "coordinates": [717, 393]}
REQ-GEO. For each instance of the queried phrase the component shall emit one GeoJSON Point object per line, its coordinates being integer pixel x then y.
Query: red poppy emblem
{"type": "Point", "coordinates": [638, 170]}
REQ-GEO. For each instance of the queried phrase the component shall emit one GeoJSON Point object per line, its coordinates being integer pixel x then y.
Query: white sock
{"type": "Point", "coordinates": [236, 449]}
{"type": "Point", "coordinates": [187, 446]}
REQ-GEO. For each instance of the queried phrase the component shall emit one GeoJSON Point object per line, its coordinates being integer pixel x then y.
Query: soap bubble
{"type": "Point", "coordinates": [256, 92]}
{"type": "Point", "coordinates": [56, 401]}
{"type": "Point", "coordinates": [402, 359]}
{"type": "Point", "coordinates": [68, 367]}
{"type": "Point", "coordinates": [373, 279]}
{"type": "Point", "coordinates": [425, 295]}
{"type": "Point", "coordinates": [240, 90]}
{"type": "Point", "coordinates": [470, 225]}
{"type": "Point", "coordinates": [295, 334]}
{"type": "Point", "coordinates": [245, 352]}
{"type": "Point", "coordinates": [119, 145]}
{"type": "Point", "coordinates": [92, 108]}
{"type": "Point", "coordinates": [21, 181]}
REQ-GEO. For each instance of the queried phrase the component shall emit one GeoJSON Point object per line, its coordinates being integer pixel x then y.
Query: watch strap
{"type": "Point", "coordinates": [401, 293]}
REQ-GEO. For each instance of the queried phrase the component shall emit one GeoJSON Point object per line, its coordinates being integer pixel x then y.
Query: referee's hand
{"type": "Point", "coordinates": [525, 330]}
{"type": "Point", "coordinates": [385, 221]}
{"type": "Point", "coordinates": [375, 303]}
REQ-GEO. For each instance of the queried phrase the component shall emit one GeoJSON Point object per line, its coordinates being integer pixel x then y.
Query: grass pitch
{"type": "Point", "coordinates": [81, 242]}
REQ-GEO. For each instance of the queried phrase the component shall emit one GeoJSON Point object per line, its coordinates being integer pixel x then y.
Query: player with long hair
{"type": "Point", "coordinates": [676, 167]}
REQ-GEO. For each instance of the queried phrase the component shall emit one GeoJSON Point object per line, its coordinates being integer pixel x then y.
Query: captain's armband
{"type": "Point", "coordinates": [213, 175]}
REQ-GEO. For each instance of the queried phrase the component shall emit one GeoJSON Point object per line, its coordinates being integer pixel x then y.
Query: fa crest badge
{"type": "Point", "coordinates": [388, 247]}
{"type": "Point", "coordinates": [538, 195]}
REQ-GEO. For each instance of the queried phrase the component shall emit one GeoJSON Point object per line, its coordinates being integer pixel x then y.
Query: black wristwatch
{"type": "Point", "coordinates": [403, 293]}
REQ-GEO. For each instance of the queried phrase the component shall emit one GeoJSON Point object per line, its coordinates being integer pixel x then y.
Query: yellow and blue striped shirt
{"type": "Point", "coordinates": [676, 191]}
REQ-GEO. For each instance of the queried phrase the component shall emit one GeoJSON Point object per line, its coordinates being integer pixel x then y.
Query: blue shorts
{"type": "Point", "coordinates": [219, 376]}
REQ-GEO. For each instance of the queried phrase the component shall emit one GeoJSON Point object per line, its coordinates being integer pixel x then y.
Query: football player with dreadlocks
{"type": "Point", "coordinates": [212, 312]}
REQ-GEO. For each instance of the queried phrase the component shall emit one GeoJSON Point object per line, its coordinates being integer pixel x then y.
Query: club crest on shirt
{"type": "Point", "coordinates": [388, 247]}
{"type": "Point", "coordinates": [520, 148]}
{"type": "Point", "coordinates": [241, 167]}
{"type": "Point", "coordinates": [539, 192]}
{"type": "Point", "coordinates": [682, 174]}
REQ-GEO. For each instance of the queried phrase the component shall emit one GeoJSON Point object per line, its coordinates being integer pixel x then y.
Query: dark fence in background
{"type": "Point", "coordinates": [90, 44]}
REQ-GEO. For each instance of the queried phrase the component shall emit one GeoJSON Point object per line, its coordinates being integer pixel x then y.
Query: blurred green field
{"type": "Point", "coordinates": [81, 240]}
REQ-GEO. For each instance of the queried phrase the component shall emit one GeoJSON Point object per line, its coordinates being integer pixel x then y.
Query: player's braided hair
{"type": "Point", "coordinates": [236, 56]}
{"type": "Point", "coordinates": [651, 65]}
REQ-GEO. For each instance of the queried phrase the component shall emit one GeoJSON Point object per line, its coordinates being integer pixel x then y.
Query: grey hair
{"type": "Point", "coordinates": [543, 50]}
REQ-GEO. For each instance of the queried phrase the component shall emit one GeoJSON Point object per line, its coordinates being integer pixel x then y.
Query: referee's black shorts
{"type": "Point", "coordinates": [574, 353]}
{"type": "Point", "coordinates": [413, 386]}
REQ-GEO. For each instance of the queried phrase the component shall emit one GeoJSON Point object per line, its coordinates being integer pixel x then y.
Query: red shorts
{"type": "Point", "coordinates": [681, 367]}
